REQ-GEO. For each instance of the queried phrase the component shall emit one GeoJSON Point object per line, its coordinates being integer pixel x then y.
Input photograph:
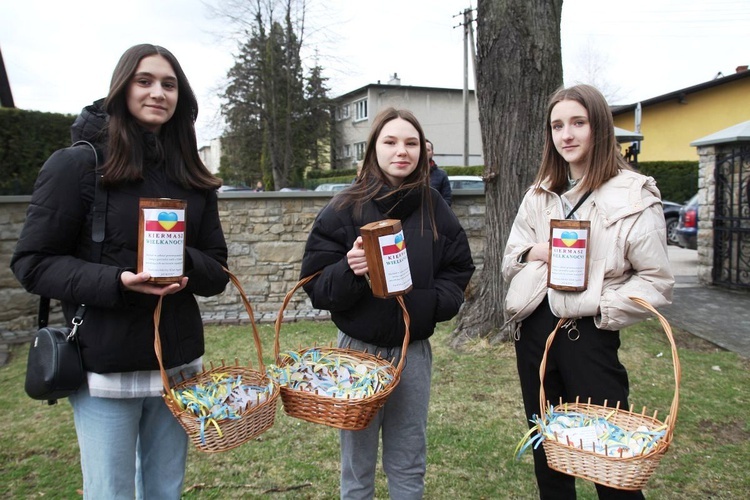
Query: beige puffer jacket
{"type": "Point", "coordinates": [628, 253]}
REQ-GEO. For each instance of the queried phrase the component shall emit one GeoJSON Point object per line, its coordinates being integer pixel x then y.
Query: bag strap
{"type": "Point", "coordinates": [577, 206]}
{"type": "Point", "coordinates": [98, 209]}
{"type": "Point", "coordinates": [99, 212]}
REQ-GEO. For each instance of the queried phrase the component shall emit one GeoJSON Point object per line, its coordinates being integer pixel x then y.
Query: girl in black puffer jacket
{"type": "Point", "coordinates": [393, 184]}
{"type": "Point", "coordinates": [130, 443]}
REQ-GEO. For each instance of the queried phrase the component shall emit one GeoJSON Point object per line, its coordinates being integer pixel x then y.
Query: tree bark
{"type": "Point", "coordinates": [519, 64]}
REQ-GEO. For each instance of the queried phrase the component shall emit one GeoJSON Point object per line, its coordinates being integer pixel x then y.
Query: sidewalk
{"type": "Point", "coordinates": [716, 314]}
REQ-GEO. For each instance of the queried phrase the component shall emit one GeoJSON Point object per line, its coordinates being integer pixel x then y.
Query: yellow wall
{"type": "Point", "coordinates": [669, 127]}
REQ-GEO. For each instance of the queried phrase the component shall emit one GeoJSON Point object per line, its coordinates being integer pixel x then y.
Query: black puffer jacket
{"type": "Point", "coordinates": [440, 270]}
{"type": "Point", "coordinates": [53, 258]}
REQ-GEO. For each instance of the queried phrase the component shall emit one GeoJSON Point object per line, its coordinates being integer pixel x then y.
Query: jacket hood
{"type": "Point", "coordinates": [90, 125]}
{"type": "Point", "coordinates": [626, 194]}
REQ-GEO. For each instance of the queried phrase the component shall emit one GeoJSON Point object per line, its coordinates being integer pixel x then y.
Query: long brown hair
{"type": "Point", "coordinates": [603, 160]}
{"type": "Point", "coordinates": [125, 145]}
{"type": "Point", "coordinates": [371, 179]}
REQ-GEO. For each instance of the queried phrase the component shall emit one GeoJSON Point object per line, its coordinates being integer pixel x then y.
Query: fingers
{"type": "Point", "coordinates": [540, 251]}
{"type": "Point", "coordinates": [174, 287]}
{"type": "Point", "coordinates": [356, 258]}
{"type": "Point", "coordinates": [139, 283]}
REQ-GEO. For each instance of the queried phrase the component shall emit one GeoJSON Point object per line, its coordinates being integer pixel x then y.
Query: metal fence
{"type": "Point", "coordinates": [731, 224]}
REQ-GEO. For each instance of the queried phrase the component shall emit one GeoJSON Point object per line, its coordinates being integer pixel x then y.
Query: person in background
{"type": "Point", "coordinates": [583, 176]}
{"type": "Point", "coordinates": [131, 445]}
{"type": "Point", "coordinates": [359, 171]}
{"type": "Point", "coordinates": [393, 184]}
{"type": "Point", "coordinates": [438, 178]}
{"type": "Point", "coordinates": [259, 187]}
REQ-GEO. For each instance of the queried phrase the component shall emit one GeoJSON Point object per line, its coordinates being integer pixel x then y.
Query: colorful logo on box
{"type": "Point", "coordinates": [398, 245]}
{"type": "Point", "coordinates": [569, 239]}
{"type": "Point", "coordinates": [166, 222]}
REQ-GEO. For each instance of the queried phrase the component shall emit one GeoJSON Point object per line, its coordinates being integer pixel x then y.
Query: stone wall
{"type": "Point", "coordinates": [265, 232]}
{"type": "Point", "coordinates": [706, 204]}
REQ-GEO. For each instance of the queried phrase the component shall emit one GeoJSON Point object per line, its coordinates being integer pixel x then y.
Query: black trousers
{"type": "Point", "coordinates": [587, 367]}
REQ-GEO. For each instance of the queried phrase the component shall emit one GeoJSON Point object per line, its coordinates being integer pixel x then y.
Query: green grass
{"type": "Point", "coordinates": [476, 420]}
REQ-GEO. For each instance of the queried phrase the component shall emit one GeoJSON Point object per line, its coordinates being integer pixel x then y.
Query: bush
{"type": "Point", "coordinates": [328, 175]}
{"type": "Point", "coordinates": [677, 180]}
{"type": "Point", "coordinates": [476, 170]}
{"type": "Point", "coordinates": [27, 139]}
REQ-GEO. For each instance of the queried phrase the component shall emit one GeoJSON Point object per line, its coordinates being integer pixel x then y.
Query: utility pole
{"type": "Point", "coordinates": [468, 24]}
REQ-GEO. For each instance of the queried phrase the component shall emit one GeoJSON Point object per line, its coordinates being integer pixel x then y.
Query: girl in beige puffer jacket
{"type": "Point", "coordinates": [583, 176]}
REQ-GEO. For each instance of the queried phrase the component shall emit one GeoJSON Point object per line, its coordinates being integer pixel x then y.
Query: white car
{"type": "Point", "coordinates": [459, 182]}
{"type": "Point", "coordinates": [332, 187]}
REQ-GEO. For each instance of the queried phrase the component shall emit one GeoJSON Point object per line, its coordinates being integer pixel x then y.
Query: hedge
{"type": "Point", "coordinates": [677, 180]}
{"type": "Point", "coordinates": [27, 139]}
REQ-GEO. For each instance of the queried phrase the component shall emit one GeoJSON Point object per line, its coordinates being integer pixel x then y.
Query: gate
{"type": "Point", "coordinates": [731, 223]}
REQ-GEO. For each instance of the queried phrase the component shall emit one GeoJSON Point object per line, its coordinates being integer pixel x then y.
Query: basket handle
{"type": "Point", "coordinates": [672, 417]}
{"type": "Point", "coordinates": [304, 281]}
{"type": "Point", "coordinates": [248, 308]}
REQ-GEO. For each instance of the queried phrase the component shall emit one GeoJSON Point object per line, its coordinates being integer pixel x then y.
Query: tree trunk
{"type": "Point", "coordinates": [519, 65]}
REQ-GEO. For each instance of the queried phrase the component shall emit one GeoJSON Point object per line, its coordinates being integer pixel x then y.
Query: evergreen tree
{"type": "Point", "coordinates": [274, 114]}
{"type": "Point", "coordinates": [318, 124]}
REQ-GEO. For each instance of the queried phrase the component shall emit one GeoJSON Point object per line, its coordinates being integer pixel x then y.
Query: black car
{"type": "Point", "coordinates": [671, 217]}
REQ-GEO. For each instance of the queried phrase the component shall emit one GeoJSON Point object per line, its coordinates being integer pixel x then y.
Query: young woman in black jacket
{"type": "Point", "coordinates": [393, 184]}
{"type": "Point", "coordinates": [131, 445]}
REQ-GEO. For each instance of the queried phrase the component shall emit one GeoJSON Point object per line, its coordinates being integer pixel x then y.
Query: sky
{"type": "Point", "coordinates": [60, 55]}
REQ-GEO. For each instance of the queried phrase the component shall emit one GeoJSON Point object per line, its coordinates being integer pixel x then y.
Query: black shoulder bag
{"type": "Point", "coordinates": [54, 368]}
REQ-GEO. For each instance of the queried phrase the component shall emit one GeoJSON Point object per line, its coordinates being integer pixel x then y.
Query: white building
{"type": "Point", "coordinates": [211, 155]}
{"type": "Point", "coordinates": [440, 111]}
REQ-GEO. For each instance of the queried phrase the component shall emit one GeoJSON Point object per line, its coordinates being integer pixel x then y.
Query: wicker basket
{"type": "Point", "coordinates": [621, 473]}
{"type": "Point", "coordinates": [252, 422]}
{"type": "Point", "coordinates": [348, 414]}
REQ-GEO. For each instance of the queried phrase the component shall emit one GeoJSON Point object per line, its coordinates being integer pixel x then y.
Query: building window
{"type": "Point", "coordinates": [359, 150]}
{"type": "Point", "coordinates": [342, 112]}
{"type": "Point", "coordinates": [360, 110]}
{"type": "Point", "coordinates": [345, 151]}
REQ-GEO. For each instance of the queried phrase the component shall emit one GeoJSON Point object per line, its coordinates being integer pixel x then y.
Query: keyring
{"type": "Point", "coordinates": [572, 327]}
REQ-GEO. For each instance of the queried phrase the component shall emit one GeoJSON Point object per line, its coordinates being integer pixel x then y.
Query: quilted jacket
{"type": "Point", "coordinates": [440, 270]}
{"type": "Point", "coordinates": [53, 258]}
{"type": "Point", "coordinates": [628, 253]}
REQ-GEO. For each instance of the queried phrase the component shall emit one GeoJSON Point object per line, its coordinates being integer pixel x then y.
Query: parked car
{"type": "Point", "coordinates": [226, 189]}
{"type": "Point", "coordinates": [459, 182]}
{"type": "Point", "coordinates": [687, 227]}
{"type": "Point", "coordinates": [671, 217]}
{"type": "Point", "coordinates": [332, 187]}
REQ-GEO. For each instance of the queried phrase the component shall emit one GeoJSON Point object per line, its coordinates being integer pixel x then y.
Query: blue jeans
{"type": "Point", "coordinates": [129, 447]}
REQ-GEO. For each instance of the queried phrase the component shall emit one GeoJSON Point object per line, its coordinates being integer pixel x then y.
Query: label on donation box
{"type": "Point", "coordinates": [161, 239]}
{"type": "Point", "coordinates": [387, 262]}
{"type": "Point", "coordinates": [568, 267]}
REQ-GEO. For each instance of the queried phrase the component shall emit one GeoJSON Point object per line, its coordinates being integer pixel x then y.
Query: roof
{"type": "Point", "coordinates": [383, 86]}
{"type": "Point", "coordinates": [735, 133]}
{"type": "Point", "coordinates": [623, 135]}
{"type": "Point", "coordinates": [677, 94]}
{"type": "Point", "coordinates": [6, 96]}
